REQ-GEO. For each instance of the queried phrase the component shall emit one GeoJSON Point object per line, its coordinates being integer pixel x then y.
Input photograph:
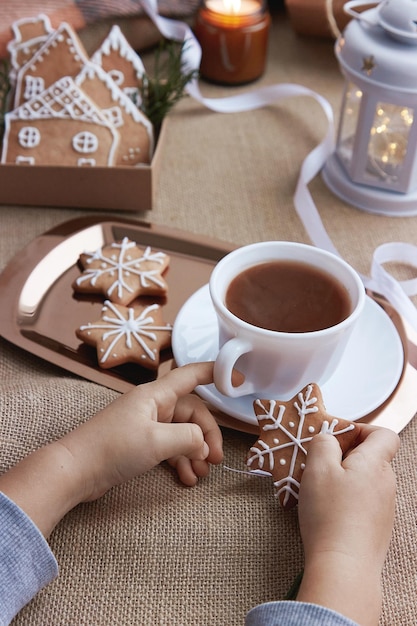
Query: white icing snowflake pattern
{"type": "Point", "coordinates": [264, 451]}
{"type": "Point", "coordinates": [122, 266]}
{"type": "Point", "coordinates": [127, 330]}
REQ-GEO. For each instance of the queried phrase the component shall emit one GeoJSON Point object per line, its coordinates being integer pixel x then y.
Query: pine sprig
{"type": "Point", "coordinates": [166, 87]}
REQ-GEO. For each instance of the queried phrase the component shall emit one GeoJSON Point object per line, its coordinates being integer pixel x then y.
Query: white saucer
{"type": "Point", "coordinates": [369, 372]}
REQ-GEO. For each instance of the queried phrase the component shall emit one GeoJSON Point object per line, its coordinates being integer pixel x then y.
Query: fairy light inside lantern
{"type": "Point", "coordinates": [374, 165]}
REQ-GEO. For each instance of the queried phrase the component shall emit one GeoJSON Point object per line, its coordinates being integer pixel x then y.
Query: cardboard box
{"type": "Point", "coordinates": [309, 17]}
{"type": "Point", "coordinates": [108, 188]}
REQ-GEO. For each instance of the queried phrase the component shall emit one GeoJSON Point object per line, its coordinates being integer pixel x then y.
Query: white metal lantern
{"type": "Point", "coordinates": [374, 166]}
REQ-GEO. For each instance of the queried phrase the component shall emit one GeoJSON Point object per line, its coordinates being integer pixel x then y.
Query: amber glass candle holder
{"type": "Point", "coordinates": [233, 35]}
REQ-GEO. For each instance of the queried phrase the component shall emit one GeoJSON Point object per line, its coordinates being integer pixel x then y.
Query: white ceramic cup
{"type": "Point", "coordinates": [279, 364]}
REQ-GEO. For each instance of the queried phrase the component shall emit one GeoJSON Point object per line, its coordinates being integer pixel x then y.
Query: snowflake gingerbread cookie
{"type": "Point", "coordinates": [122, 271]}
{"type": "Point", "coordinates": [286, 428]}
{"type": "Point", "coordinates": [127, 335]}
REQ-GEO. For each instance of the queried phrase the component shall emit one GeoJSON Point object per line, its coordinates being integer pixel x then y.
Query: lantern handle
{"type": "Point", "coordinates": [368, 16]}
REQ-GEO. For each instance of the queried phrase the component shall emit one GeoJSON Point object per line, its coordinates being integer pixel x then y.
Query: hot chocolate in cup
{"type": "Point", "coordinates": [285, 312]}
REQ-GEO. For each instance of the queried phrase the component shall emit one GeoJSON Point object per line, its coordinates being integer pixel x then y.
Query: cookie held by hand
{"type": "Point", "coordinates": [127, 335]}
{"type": "Point", "coordinates": [122, 271]}
{"type": "Point", "coordinates": [286, 429]}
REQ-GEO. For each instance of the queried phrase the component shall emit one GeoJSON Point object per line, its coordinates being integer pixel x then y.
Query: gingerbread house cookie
{"type": "Point", "coordinates": [122, 271]}
{"type": "Point", "coordinates": [286, 429]}
{"type": "Point", "coordinates": [121, 62]}
{"type": "Point", "coordinates": [62, 54]}
{"type": "Point", "coordinates": [44, 127]}
{"type": "Point", "coordinates": [60, 125]}
{"type": "Point", "coordinates": [128, 335]}
{"type": "Point", "coordinates": [134, 128]}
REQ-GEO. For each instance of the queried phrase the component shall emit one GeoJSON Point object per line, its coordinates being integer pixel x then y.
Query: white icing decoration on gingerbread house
{"type": "Point", "coordinates": [66, 102]}
{"type": "Point", "coordinates": [29, 137]}
{"type": "Point", "coordinates": [129, 76]}
{"type": "Point", "coordinates": [34, 86]}
{"type": "Point", "coordinates": [22, 160]}
{"type": "Point", "coordinates": [85, 142]}
{"type": "Point", "coordinates": [46, 62]}
{"type": "Point", "coordinates": [29, 34]}
{"type": "Point", "coordinates": [136, 131]}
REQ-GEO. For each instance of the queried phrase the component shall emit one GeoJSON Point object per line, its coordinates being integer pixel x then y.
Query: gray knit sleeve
{"type": "Point", "coordinates": [295, 614]}
{"type": "Point", "coordinates": [26, 561]}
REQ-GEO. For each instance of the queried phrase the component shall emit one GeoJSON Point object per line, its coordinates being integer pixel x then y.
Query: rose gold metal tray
{"type": "Point", "coordinates": [40, 311]}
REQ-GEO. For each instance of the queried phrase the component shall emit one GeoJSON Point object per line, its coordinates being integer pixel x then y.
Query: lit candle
{"type": "Point", "coordinates": [233, 35]}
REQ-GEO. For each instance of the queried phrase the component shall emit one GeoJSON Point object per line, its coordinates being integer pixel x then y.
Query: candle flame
{"type": "Point", "coordinates": [232, 6]}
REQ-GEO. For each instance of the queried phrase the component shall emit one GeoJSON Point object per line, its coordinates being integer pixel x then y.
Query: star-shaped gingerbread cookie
{"type": "Point", "coordinates": [122, 271]}
{"type": "Point", "coordinates": [286, 428]}
{"type": "Point", "coordinates": [127, 335]}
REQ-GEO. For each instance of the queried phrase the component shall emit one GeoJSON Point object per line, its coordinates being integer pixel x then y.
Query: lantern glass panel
{"type": "Point", "coordinates": [388, 142]}
{"type": "Point", "coordinates": [349, 123]}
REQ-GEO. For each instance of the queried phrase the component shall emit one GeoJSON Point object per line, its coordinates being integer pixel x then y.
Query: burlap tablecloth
{"type": "Point", "coordinates": [151, 551]}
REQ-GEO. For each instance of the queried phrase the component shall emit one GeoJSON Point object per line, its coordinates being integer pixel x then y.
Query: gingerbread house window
{"type": "Point", "coordinates": [117, 76]}
{"type": "Point", "coordinates": [25, 160]}
{"type": "Point", "coordinates": [133, 93]}
{"type": "Point", "coordinates": [114, 116]}
{"type": "Point", "coordinates": [34, 85]}
{"type": "Point", "coordinates": [85, 142]}
{"type": "Point", "coordinates": [29, 137]}
{"type": "Point", "coordinates": [83, 162]}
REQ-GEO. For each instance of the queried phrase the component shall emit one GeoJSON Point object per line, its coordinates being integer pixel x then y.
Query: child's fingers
{"type": "Point", "coordinates": [375, 443]}
{"type": "Point", "coordinates": [200, 468]}
{"type": "Point", "coordinates": [178, 382]}
{"type": "Point", "coordinates": [323, 450]}
{"type": "Point", "coordinates": [192, 409]}
{"type": "Point", "coordinates": [189, 471]}
{"type": "Point", "coordinates": [173, 440]}
{"type": "Point", "coordinates": [185, 379]}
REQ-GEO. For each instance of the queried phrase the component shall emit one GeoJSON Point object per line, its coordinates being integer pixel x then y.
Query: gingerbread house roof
{"type": "Point", "coordinates": [115, 104]}
{"type": "Point", "coordinates": [63, 99]}
{"type": "Point", "coordinates": [91, 70]}
{"type": "Point", "coordinates": [117, 57]}
{"type": "Point", "coordinates": [62, 54]}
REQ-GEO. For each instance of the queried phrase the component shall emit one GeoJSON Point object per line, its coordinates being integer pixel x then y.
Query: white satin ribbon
{"type": "Point", "coordinates": [395, 291]}
{"type": "Point", "coordinates": [380, 281]}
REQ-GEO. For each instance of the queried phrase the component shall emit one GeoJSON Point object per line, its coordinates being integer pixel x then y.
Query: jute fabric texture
{"type": "Point", "coordinates": [153, 552]}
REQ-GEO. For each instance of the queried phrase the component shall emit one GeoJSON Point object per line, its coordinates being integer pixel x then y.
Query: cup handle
{"type": "Point", "coordinates": [226, 360]}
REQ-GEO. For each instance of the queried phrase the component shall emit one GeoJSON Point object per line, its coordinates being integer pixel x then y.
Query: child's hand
{"type": "Point", "coordinates": [348, 505]}
{"type": "Point", "coordinates": [151, 423]}
{"type": "Point", "coordinates": [154, 422]}
{"type": "Point", "coordinates": [346, 513]}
